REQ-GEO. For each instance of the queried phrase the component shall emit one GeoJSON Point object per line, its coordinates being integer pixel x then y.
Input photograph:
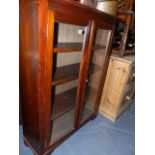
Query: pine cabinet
{"type": "Point", "coordinates": [119, 87]}
{"type": "Point", "coordinates": [64, 54]}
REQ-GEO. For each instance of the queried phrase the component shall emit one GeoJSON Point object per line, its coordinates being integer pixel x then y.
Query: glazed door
{"type": "Point", "coordinates": [69, 44]}
{"type": "Point", "coordinates": [97, 58]}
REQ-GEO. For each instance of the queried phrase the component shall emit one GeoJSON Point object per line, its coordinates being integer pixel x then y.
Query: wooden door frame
{"type": "Point", "coordinates": [50, 38]}
{"type": "Point", "coordinates": [95, 25]}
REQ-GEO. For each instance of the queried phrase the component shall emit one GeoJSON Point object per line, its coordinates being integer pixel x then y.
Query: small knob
{"type": "Point", "coordinates": [128, 97]}
{"type": "Point", "coordinates": [86, 80]}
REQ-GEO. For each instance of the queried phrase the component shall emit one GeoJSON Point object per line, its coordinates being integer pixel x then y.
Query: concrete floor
{"type": "Point", "coordinates": [98, 137]}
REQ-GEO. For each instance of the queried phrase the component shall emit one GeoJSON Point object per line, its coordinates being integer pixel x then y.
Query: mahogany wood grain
{"type": "Point", "coordinates": [70, 11]}
{"type": "Point", "coordinates": [68, 47]}
{"type": "Point", "coordinates": [50, 44]}
{"type": "Point", "coordinates": [71, 47]}
{"type": "Point", "coordinates": [20, 111]}
{"type": "Point", "coordinates": [29, 73]}
{"type": "Point", "coordinates": [68, 73]}
{"type": "Point", "coordinates": [84, 74]}
{"type": "Point", "coordinates": [37, 18]}
{"type": "Point", "coordinates": [65, 73]}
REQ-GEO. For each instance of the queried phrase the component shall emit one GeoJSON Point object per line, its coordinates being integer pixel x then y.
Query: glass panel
{"type": "Point", "coordinates": [62, 118]}
{"type": "Point", "coordinates": [67, 55]}
{"type": "Point", "coordinates": [95, 72]}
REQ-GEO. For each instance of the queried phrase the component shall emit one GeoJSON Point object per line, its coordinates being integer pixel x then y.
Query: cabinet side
{"type": "Point", "coordinates": [33, 18]}
{"type": "Point", "coordinates": [113, 88]}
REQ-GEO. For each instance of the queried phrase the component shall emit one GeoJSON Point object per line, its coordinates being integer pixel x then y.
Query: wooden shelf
{"type": "Point", "coordinates": [68, 73]}
{"type": "Point", "coordinates": [64, 102]}
{"type": "Point", "coordinates": [67, 47]}
{"type": "Point", "coordinates": [72, 47]}
{"type": "Point", "coordinates": [65, 73]}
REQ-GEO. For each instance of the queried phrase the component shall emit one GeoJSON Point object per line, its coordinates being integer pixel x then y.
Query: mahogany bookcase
{"type": "Point", "coordinates": [64, 54]}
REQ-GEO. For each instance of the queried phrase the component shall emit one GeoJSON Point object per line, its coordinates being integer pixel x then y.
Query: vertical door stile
{"type": "Point", "coordinates": [89, 55]}
{"type": "Point", "coordinates": [87, 52]}
{"type": "Point", "coordinates": [94, 71]}
{"type": "Point", "coordinates": [50, 37]}
{"type": "Point", "coordinates": [81, 74]}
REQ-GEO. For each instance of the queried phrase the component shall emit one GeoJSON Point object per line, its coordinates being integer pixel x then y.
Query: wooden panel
{"type": "Point", "coordinates": [68, 47]}
{"type": "Point", "coordinates": [35, 71]}
{"type": "Point", "coordinates": [71, 11]}
{"type": "Point", "coordinates": [28, 71]}
{"type": "Point", "coordinates": [128, 93]}
{"type": "Point", "coordinates": [65, 73]}
{"type": "Point", "coordinates": [115, 85]}
{"type": "Point", "coordinates": [20, 111]}
{"type": "Point", "coordinates": [72, 47]}
{"type": "Point", "coordinates": [131, 77]}
{"type": "Point", "coordinates": [68, 73]}
{"type": "Point", "coordinates": [115, 80]}
{"type": "Point", "coordinates": [127, 98]}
